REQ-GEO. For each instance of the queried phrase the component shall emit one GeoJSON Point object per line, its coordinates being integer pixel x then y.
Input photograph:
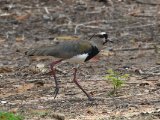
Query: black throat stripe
{"type": "Point", "coordinates": [91, 53]}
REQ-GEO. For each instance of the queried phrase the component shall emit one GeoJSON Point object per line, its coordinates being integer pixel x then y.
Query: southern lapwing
{"type": "Point", "coordinates": [76, 51]}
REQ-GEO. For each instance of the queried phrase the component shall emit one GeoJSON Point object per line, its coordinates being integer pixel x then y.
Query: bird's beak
{"type": "Point", "coordinates": [107, 40]}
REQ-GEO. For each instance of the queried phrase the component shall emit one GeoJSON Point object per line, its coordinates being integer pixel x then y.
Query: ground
{"type": "Point", "coordinates": [27, 86]}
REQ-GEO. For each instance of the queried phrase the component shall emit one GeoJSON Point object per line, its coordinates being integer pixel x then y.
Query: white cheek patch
{"type": "Point", "coordinates": [78, 58]}
{"type": "Point", "coordinates": [102, 33]}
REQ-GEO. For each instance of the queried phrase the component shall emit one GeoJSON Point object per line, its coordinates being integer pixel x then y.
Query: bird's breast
{"type": "Point", "coordinates": [78, 58]}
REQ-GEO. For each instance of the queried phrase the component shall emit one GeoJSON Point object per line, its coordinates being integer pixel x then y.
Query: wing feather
{"type": "Point", "coordinates": [63, 50]}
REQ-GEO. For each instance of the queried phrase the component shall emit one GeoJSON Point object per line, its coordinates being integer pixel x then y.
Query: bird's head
{"type": "Point", "coordinates": [104, 37]}
{"type": "Point", "coordinates": [100, 39]}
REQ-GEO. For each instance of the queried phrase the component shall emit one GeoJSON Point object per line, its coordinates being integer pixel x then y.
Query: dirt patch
{"type": "Point", "coordinates": [27, 87]}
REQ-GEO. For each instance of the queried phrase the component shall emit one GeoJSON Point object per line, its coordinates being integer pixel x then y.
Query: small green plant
{"type": "Point", "coordinates": [9, 116]}
{"type": "Point", "coordinates": [116, 79]}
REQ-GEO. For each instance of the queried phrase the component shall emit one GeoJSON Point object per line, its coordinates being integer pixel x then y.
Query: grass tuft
{"type": "Point", "coordinates": [10, 116]}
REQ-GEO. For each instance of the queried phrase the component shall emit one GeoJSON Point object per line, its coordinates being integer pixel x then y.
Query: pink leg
{"type": "Point", "coordinates": [76, 82]}
{"type": "Point", "coordinates": [54, 75]}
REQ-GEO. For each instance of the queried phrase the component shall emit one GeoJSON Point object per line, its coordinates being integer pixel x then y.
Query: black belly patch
{"type": "Point", "coordinates": [91, 53]}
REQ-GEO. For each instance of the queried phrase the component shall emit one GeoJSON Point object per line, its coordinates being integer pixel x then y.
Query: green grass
{"type": "Point", "coordinates": [10, 116]}
{"type": "Point", "coordinates": [117, 80]}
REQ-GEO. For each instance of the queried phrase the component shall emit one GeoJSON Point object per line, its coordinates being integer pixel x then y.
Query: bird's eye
{"type": "Point", "coordinates": [105, 36]}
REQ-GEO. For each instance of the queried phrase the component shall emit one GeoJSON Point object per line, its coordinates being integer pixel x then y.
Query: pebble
{"type": "Point", "coordinates": [3, 102]}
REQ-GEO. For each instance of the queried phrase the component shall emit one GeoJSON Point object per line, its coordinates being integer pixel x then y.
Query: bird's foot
{"type": "Point", "coordinates": [90, 98]}
{"type": "Point", "coordinates": [56, 91]}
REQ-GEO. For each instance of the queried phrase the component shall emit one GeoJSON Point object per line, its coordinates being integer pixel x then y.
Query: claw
{"type": "Point", "coordinates": [56, 91]}
{"type": "Point", "coordinates": [90, 98]}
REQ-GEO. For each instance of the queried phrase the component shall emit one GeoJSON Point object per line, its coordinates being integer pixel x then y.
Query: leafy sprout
{"type": "Point", "coordinates": [117, 80]}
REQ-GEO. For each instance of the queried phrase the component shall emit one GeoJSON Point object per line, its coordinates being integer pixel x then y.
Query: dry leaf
{"type": "Point", "coordinates": [90, 111]}
{"type": "Point", "coordinates": [58, 116]}
{"type": "Point", "coordinates": [67, 38]}
{"type": "Point", "coordinates": [20, 39]}
{"type": "Point", "coordinates": [158, 84]}
{"type": "Point", "coordinates": [135, 12]}
{"type": "Point", "coordinates": [13, 110]}
{"type": "Point", "coordinates": [39, 83]}
{"type": "Point", "coordinates": [158, 62]}
{"type": "Point", "coordinates": [5, 15]}
{"type": "Point", "coordinates": [157, 49]}
{"type": "Point", "coordinates": [2, 41]}
{"type": "Point", "coordinates": [143, 84]}
{"type": "Point", "coordinates": [5, 69]}
{"type": "Point", "coordinates": [106, 53]}
{"type": "Point", "coordinates": [25, 87]}
{"type": "Point", "coordinates": [23, 17]}
{"type": "Point", "coordinates": [41, 67]}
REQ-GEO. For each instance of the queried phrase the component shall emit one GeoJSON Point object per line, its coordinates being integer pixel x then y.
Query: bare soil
{"type": "Point", "coordinates": [27, 87]}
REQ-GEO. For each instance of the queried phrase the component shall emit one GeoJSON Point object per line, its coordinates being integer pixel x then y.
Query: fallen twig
{"type": "Point", "coordinates": [61, 71]}
{"type": "Point", "coordinates": [141, 26]}
{"type": "Point", "coordinates": [133, 49]}
{"type": "Point", "coordinates": [143, 15]}
{"type": "Point", "coordinates": [87, 24]}
{"type": "Point", "coordinates": [46, 10]}
{"type": "Point", "coordinates": [148, 73]}
{"type": "Point", "coordinates": [148, 3]}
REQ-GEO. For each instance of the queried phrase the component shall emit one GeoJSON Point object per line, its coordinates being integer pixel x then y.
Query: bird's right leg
{"type": "Point", "coordinates": [54, 75]}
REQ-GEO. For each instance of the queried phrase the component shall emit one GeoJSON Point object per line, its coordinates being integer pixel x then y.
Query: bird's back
{"type": "Point", "coordinates": [63, 50]}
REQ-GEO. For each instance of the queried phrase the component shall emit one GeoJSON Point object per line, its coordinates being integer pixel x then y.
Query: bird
{"type": "Point", "coordinates": [76, 51]}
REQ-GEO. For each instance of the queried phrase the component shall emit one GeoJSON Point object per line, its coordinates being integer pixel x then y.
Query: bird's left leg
{"type": "Point", "coordinates": [76, 82]}
{"type": "Point", "coordinates": [54, 75]}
